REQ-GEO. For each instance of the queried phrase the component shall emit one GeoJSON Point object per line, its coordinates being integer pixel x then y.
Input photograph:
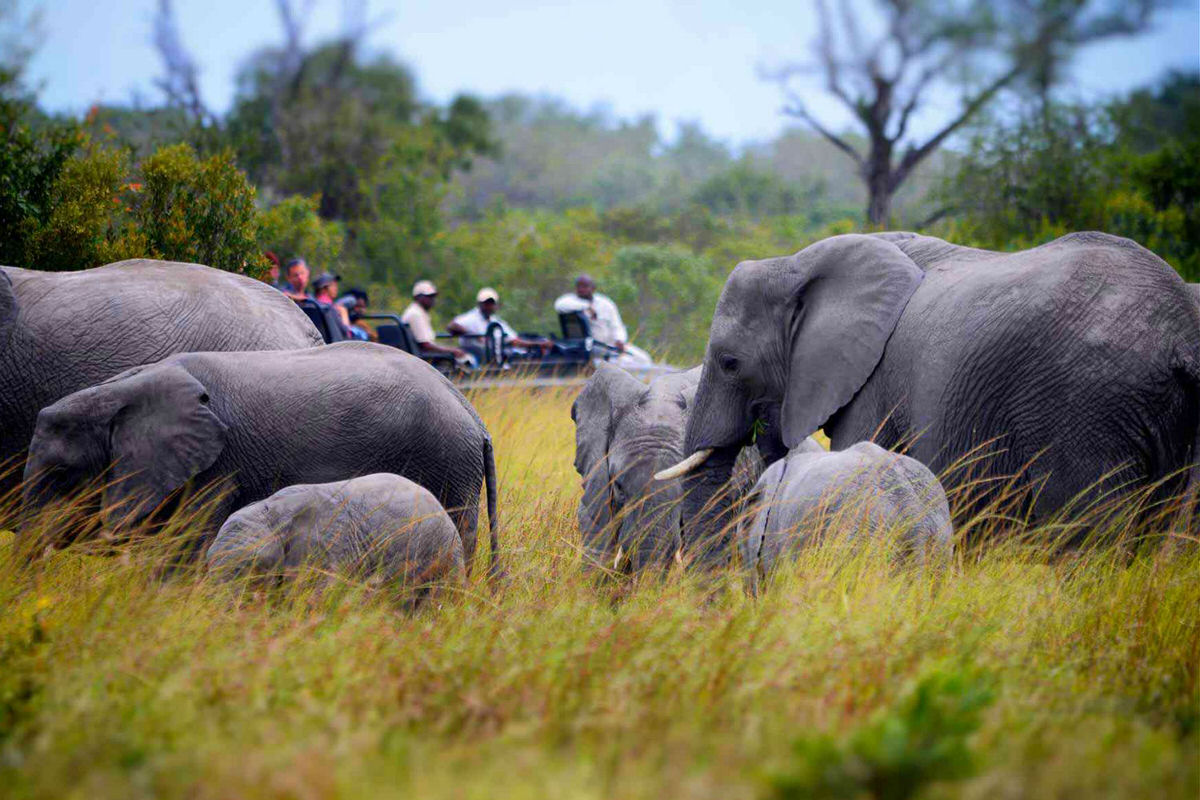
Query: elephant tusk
{"type": "Point", "coordinates": [684, 467]}
{"type": "Point", "coordinates": [617, 560]}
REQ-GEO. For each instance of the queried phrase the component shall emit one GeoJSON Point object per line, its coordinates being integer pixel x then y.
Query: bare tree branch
{"type": "Point", "coordinates": [915, 155]}
{"type": "Point", "coordinates": [180, 81]}
{"type": "Point", "coordinates": [796, 109]}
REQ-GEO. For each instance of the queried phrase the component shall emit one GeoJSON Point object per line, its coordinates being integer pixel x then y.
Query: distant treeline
{"type": "Point", "coordinates": [332, 155]}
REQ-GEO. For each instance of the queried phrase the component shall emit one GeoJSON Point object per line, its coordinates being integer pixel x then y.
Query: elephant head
{"type": "Point", "coordinates": [792, 340]}
{"type": "Point", "coordinates": [625, 431]}
{"type": "Point", "coordinates": [145, 433]}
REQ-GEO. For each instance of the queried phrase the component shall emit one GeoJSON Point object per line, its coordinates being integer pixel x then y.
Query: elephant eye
{"type": "Point", "coordinates": [728, 363]}
{"type": "Point", "coordinates": [204, 399]}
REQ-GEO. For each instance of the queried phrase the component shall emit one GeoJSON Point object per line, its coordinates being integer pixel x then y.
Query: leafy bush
{"type": "Point", "coordinates": [900, 750]}
{"type": "Point", "coordinates": [666, 296]}
{"type": "Point", "coordinates": [195, 210]}
{"type": "Point", "coordinates": [173, 206]}
{"type": "Point", "coordinates": [292, 228]}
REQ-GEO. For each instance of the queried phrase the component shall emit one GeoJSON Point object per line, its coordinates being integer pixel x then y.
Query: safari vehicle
{"type": "Point", "coordinates": [571, 357]}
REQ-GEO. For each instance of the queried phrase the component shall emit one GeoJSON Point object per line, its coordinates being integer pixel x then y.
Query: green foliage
{"type": "Point", "coordinates": [197, 210]}
{"type": "Point", "coordinates": [81, 229]}
{"type": "Point", "coordinates": [172, 206]}
{"type": "Point", "coordinates": [33, 153]}
{"type": "Point", "coordinates": [292, 228]}
{"type": "Point", "coordinates": [900, 750]}
{"type": "Point", "coordinates": [743, 190]}
{"type": "Point", "coordinates": [1128, 168]}
{"type": "Point", "coordinates": [666, 296]}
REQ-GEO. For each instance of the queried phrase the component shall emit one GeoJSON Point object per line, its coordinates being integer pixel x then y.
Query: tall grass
{"type": "Point", "coordinates": [1010, 674]}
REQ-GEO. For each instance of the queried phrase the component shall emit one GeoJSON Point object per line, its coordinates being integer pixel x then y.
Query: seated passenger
{"type": "Point", "coordinates": [296, 284]}
{"type": "Point", "coordinates": [325, 289]}
{"type": "Point", "coordinates": [416, 317]}
{"type": "Point", "coordinates": [355, 302]}
{"type": "Point", "coordinates": [604, 319]}
{"type": "Point", "coordinates": [271, 278]}
{"type": "Point", "coordinates": [474, 323]}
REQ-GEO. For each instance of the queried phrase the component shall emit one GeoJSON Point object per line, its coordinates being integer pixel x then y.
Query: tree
{"type": "Point", "coordinates": [33, 149]}
{"type": "Point", "coordinates": [927, 48]}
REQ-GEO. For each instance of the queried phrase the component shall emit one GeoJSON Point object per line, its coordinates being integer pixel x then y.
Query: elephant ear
{"type": "Point", "coordinates": [609, 390]}
{"type": "Point", "coordinates": [848, 296]}
{"type": "Point", "coordinates": [8, 304]}
{"type": "Point", "coordinates": [164, 435]}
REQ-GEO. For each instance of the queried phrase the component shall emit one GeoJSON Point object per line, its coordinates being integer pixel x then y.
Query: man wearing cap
{"type": "Point", "coordinates": [416, 317]}
{"type": "Point", "coordinates": [475, 323]}
{"type": "Point", "coordinates": [604, 319]}
{"type": "Point", "coordinates": [325, 290]}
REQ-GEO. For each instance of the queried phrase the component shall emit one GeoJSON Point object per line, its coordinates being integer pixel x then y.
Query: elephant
{"type": "Point", "coordinates": [625, 432]}
{"type": "Point", "coordinates": [1074, 367]}
{"type": "Point", "coordinates": [65, 331]}
{"type": "Point", "coordinates": [381, 527]}
{"type": "Point", "coordinates": [257, 422]}
{"type": "Point", "coordinates": [863, 489]}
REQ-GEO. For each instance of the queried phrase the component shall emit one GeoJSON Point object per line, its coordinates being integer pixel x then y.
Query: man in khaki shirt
{"type": "Point", "coordinates": [416, 316]}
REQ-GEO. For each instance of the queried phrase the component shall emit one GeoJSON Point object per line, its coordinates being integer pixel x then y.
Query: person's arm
{"type": "Point", "coordinates": [453, 326]}
{"type": "Point", "coordinates": [620, 334]}
{"type": "Point", "coordinates": [431, 347]}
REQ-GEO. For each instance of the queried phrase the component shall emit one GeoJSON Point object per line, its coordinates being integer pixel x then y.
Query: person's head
{"type": "Point", "coordinates": [585, 287]}
{"type": "Point", "coordinates": [326, 285]}
{"type": "Point", "coordinates": [424, 294]}
{"type": "Point", "coordinates": [361, 300]}
{"type": "Point", "coordinates": [488, 300]}
{"type": "Point", "coordinates": [297, 274]}
{"type": "Point", "coordinates": [272, 266]}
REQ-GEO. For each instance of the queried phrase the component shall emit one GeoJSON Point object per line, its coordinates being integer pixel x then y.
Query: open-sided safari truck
{"type": "Point", "coordinates": [571, 355]}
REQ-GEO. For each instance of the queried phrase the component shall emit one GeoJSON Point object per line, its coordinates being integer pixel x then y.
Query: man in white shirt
{"type": "Point", "coordinates": [416, 316]}
{"type": "Point", "coordinates": [604, 319]}
{"type": "Point", "coordinates": [475, 323]}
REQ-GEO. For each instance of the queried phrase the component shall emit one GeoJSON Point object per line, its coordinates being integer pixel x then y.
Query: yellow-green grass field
{"type": "Point", "coordinates": [1009, 674]}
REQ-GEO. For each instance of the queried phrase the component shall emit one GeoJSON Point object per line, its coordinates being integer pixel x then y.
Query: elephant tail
{"type": "Point", "coordinates": [489, 478]}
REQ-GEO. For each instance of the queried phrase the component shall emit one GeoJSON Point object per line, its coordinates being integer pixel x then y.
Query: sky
{"type": "Point", "coordinates": [681, 61]}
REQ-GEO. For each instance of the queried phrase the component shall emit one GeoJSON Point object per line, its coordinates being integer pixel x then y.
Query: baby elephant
{"type": "Point", "coordinates": [382, 528]}
{"type": "Point", "coordinates": [861, 489]}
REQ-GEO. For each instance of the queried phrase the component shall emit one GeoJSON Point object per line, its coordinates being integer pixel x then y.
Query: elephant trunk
{"type": "Point", "coordinates": [708, 505]}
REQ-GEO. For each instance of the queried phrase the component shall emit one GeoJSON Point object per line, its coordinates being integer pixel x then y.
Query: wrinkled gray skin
{"type": "Point", "coordinates": [864, 488]}
{"type": "Point", "coordinates": [1081, 358]}
{"type": "Point", "coordinates": [625, 431]}
{"type": "Point", "coordinates": [380, 527]}
{"type": "Point", "coordinates": [263, 421]}
{"type": "Point", "coordinates": [64, 331]}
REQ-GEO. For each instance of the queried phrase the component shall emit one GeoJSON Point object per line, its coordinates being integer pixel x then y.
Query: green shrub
{"type": "Point", "coordinates": [900, 750]}
{"type": "Point", "coordinates": [292, 228]}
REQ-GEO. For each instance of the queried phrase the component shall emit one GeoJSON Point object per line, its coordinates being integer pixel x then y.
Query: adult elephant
{"type": "Point", "coordinates": [1075, 365]}
{"type": "Point", "coordinates": [259, 422]}
{"type": "Point", "coordinates": [64, 331]}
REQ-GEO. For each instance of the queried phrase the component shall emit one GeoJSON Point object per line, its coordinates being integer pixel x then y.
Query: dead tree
{"type": "Point", "coordinates": [975, 47]}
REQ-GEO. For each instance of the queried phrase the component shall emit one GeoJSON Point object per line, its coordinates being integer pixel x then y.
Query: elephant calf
{"type": "Point", "coordinates": [381, 527]}
{"type": "Point", "coordinates": [813, 494]}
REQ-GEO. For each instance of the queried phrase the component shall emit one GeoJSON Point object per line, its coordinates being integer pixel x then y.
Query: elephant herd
{"type": "Point", "coordinates": [1055, 381]}
{"type": "Point", "coordinates": [1070, 371]}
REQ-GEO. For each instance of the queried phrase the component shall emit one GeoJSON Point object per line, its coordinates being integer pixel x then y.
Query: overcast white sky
{"type": "Point", "coordinates": [679, 60]}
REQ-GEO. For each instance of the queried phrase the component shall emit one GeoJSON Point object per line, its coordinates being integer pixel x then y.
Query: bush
{"type": "Point", "coordinates": [292, 228]}
{"type": "Point", "coordinates": [900, 750]}
{"type": "Point", "coordinates": [666, 296]}
{"type": "Point", "coordinates": [174, 206]}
